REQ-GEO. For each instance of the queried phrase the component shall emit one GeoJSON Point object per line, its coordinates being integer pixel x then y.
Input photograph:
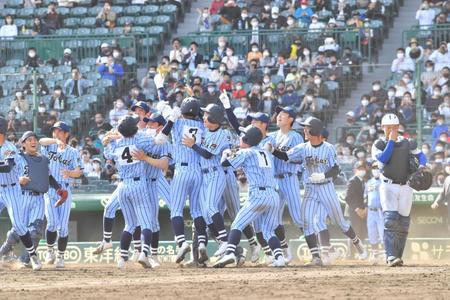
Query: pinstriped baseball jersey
{"type": "Point", "coordinates": [315, 159]}
{"type": "Point", "coordinates": [8, 150]}
{"type": "Point", "coordinates": [284, 142]}
{"type": "Point", "coordinates": [61, 159]}
{"type": "Point", "coordinates": [182, 153]}
{"type": "Point", "coordinates": [215, 142]}
{"type": "Point", "coordinates": [257, 165]}
{"type": "Point", "coordinates": [158, 152]}
{"type": "Point", "coordinates": [120, 151]}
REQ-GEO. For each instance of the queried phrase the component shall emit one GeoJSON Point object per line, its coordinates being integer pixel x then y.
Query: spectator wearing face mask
{"type": "Point", "coordinates": [20, 104]}
{"type": "Point", "coordinates": [320, 89]}
{"type": "Point", "coordinates": [238, 91]}
{"type": "Point", "coordinates": [363, 112]}
{"type": "Point", "coordinates": [276, 21]}
{"type": "Point", "coordinates": [109, 171]}
{"type": "Point", "coordinates": [192, 58]}
{"type": "Point", "coordinates": [32, 60]}
{"type": "Point", "coordinates": [100, 124]}
{"type": "Point", "coordinates": [220, 51]}
{"type": "Point", "coordinates": [76, 85]}
{"type": "Point", "coordinates": [344, 155]}
{"type": "Point", "coordinates": [204, 21]}
{"type": "Point", "coordinates": [41, 87]}
{"type": "Point", "coordinates": [444, 108]}
{"type": "Point", "coordinates": [243, 109]}
{"type": "Point", "coordinates": [118, 112]}
{"type": "Point", "coordinates": [432, 102]}
{"type": "Point", "coordinates": [441, 57]}
{"type": "Point", "coordinates": [407, 110]}
{"type": "Point", "coordinates": [378, 95]}
{"type": "Point", "coordinates": [290, 98]}
{"type": "Point", "coordinates": [67, 59]}
{"type": "Point", "coordinates": [8, 29]}
{"type": "Point", "coordinates": [304, 12]}
{"type": "Point", "coordinates": [86, 162]}
{"type": "Point", "coordinates": [443, 79]}
{"type": "Point", "coordinates": [267, 60]}
{"type": "Point", "coordinates": [316, 25]}
{"type": "Point", "coordinates": [425, 15]}
{"type": "Point", "coordinates": [402, 63]}
{"type": "Point", "coordinates": [242, 23]}
{"type": "Point", "coordinates": [309, 103]}
{"type": "Point", "coordinates": [211, 96]}
{"type": "Point", "coordinates": [254, 74]}
{"type": "Point", "coordinates": [429, 75]}
{"type": "Point", "coordinates": [230, 60]}
{"type": "Point", "coordinates": [58, 101]}
{"type": "Point", "coordinates": [254, 54]}
{"type": "Point", "coordinates": [106, 17]}
{"type": "Point", "coordinates": [439, 128]}
{"type": "Point", "coordinates": [96, 169]}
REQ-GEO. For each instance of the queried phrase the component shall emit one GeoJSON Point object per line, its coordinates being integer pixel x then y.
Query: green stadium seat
{"type": "Point", "coordinates": [155, 30]}
{"type": "Point", "coordinates": [20, 22]}
{"type": "Point", "coordinates": [88, 98]}
{"type": "Point", "coordinates": [169, 9]}
{"type": "Point", "coordinates": [88, 22]}
{"type": "Point", "coordinates": [7, 11]}
{"type": "Point", "coordinates": [64, 32]}
{"type": "Point", "coordinates": [130, 60]}
{"type": "Point", "coordinates": [94, 11]}
{"type": "Point", "coordinates": [15, 62]}
{"type": "Point", "coordinates": [14, 3]}
{"type": "Point", "coordinates": [144, 21]}
{"type": "Point", "coordinates": [72, 44]}
{"type": "Point", "coordinates": [63, 69]}
{"type": "Point", "coordinates": [89, 61]}
{"type": "Point", "coordinates": [117, 9]}
{"type": "Point", "coordinates": [117, 30]}
{"type": "Point", "coordinates": [151, 10]}
{"type": "Point", "coordinates": [93, 76]}
{"type": "Point", "coordinates": [78, 12]}
{"type": "Point", "coordinates": [25, 12]}
{"type": "Point", "coordinates": [100, 31]}
{"type": "Point", "coordinates": [45, 70]}
{"type": "Point", "coordinates": [40, 11]}
{"type": "Point", "coordinates": [122, 20]}
{"type": "Point", "coordinates": [71, 22]}
{"type": "Point", "coordinates": [82, 31]}
{"type": "Point", "coordinates": [238, 78]}
{"type": "Point", "coordinates": [121, 2]}
{"type": "Point", "coordinates": [64, 11]}
{"type": "Point", "coordinates": [224, 27]}
{"type": "Point", "coordinates": [138, 29]}
{"type": "Point", "coordinates": [84, 69]}
{"type": "Point", "coordinates": [132, 10]}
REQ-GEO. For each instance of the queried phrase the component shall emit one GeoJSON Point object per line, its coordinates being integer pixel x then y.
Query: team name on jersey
{"type": "Point", "coordinates": [284, 148]}
{"type": "Point", "coordinates": [315, 161]}
{"type": "Point", "coordinates": [55, 157]}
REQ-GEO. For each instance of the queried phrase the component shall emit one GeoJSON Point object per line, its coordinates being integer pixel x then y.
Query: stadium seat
{"type": "Point", "coordinates": [89, 61]}
{"type": "Point", "coordinates": [132, 10]}
{"type": "Point", "coordinates": [15, 62]}
{"type": "Point", "coordinates": [118, 10]}
{"type": "Point", "coordinates": [143, 20]}
{"type": "Point", "coordinates": [20, 23]}
{"type": "Point", "coordinates": [117, 30]}
{"type": "Point", "coordinates": [71, 22]}
{"type": "Point", "coordinates": [7, 11]}
{"type": "Point", "coordinates": [122, 20]}
{"type": "Point", "coordinates": [45, 69]}
{"type": "Point", "coordinates": [100, 31]}
{"type": "Point", "coordinates": [78, 12]}
{"type": "Point", "coordinates": [64, 32]}
{"type": "Point", "coordinates": [63, 69]}
{"type": "Point", "coordinates": [64, 11]}
{"type": "Point", "coordinates": [151, 10]}
{"type": "Point", "coordinates": [25, 12]}
{"type": "Point", "coordinates": [82, 31]}
{"type": "Point", "coordinates": [14, 3]}
{"type": "Point", "coordinates": [88, 22]}
{"type": "Point", "coordinates": [130, 60]}
{"type": "Point", "coordinates": [138, 29]}
{"type": "Point", "coordinates": [94, 11]}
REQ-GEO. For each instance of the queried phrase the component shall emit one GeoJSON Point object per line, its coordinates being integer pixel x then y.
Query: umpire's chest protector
{"type": "Point", "coordinates": [38, 171]}
{"type": "Point", "coordinates": [397, 168]}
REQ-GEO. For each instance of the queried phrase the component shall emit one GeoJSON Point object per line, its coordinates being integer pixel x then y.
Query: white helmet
{"type": "Point", "coordinates": [390, 119]}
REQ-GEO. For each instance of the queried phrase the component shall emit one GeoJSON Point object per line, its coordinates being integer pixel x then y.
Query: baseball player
{"type": "Point", "coordinates": [375, 222]}
{"type": "Point", "coordinates": [187, 178]}
{"type": "Point", "coordinates": [10, 194]}
{"type": "Point", "coordinates": [393, 155]}
{"type": "Point", "coordinates": [320, 166]}
{"type": "Point", "coordinates": [65, 164]}
{"type": "Point", "coordinates": [262, 196]}
{"type": "Point", "coordinates": [134, 195]}
{"type": "Point", "coordinates": [261, 121]}
{"type": "Point", "coordinates": [32, 165]}
{"type": "Point", "coordinates": [142, 110]}
{"type": "Point", "coordinates": [213, 143]}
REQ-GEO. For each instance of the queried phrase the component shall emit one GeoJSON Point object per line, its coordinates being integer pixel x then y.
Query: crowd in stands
{"type": "Point", "coordinates": [313, 80]}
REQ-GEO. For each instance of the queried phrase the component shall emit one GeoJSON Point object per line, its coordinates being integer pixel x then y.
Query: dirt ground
{"type": "Point", "coordinates": [349, 280]}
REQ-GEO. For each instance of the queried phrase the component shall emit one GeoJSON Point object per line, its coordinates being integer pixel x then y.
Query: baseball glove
{"type": "Point", "coordinates": [413, 164]}
{"type": "Point", "coordinates": [421, 180]}
{"type": "Point", "coordinates": [63, 194]}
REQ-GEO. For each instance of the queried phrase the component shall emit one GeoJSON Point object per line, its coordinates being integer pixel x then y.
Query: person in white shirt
{"type": "Point", "coordinates": [177, 52]}
{"type": "Point", "coordinates": [86, 162]}
{"type": "Point", "coordinates": [402, 63]}
{"type": "Point", "coordinates": [9, 29]}
{"type": "Point", "coordinates": [230, 60]}
{"type": "Point", "coordinates": [118, 112]}
{"type": "Point", "coordinates": [242, 111]}
{"type": "Point", "coordinates": [315, 24]}
{"type": "Point", "coordinates": [440, 57]}
{"type": "Point", "coordinates": [425, 15]}
{"type": "Point", "coordinates": [96, 169]}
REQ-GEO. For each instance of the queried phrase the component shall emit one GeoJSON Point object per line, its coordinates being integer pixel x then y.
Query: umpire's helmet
{"type": "Point", "coordinates": [390, 119]}
{"type": "Point", "coordinates": [315, 126]}
{"type": "Point", "coordinates": [3, 125]}
{"type": "Point", "coordinates": [190, 106]}
{"type": "Point", "coordinates": [216, 113]}
{"type": "Point", "coordinates": [128, 126]}
{"type": "Point", "coordinates": [251, 135]}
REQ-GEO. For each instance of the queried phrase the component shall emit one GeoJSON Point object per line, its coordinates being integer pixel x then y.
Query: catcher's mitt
{"type": "Point", "coordinates": [421, 180]}
{"type": "Point", "coordinates": [63, 194]}
{"type": "Point", "coordinates": [413, 164]}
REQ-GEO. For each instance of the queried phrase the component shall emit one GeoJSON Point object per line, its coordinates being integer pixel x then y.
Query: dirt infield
{"type": "Point", "coordinates": [349, 280]}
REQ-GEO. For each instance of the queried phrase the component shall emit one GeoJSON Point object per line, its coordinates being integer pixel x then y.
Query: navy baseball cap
{"type": "Point", "coordinates": [61, 126]}
{"type": "Point", "coordinates": [141, 104]}
{"type": "Point", "coordinates": [26, 135]}
{"type": "Point", "coordinates": [258, 116]}
{"type": "Point", "coordinates": [325, 134]}
{"type": "Point", "coordinates": [156, 117]}
{"type": "Point", "coordinates": [287, 109]}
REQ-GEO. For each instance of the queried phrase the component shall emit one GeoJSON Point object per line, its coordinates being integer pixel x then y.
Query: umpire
{"type": "Point", "coordinates": [393, 154]}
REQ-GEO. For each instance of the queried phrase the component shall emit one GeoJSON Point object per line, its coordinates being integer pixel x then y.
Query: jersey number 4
{"type": "Point", "coordinates": [263, 160]}
{"type": "Point", "coordinates": [124, 155]}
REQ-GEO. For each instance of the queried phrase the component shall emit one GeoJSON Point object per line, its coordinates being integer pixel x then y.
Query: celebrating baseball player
{"type": "Point", "coordinates": [11, 196]}
{"type": "Point", "coordinates": [65, 165]}
{"type": "Point", "coordinates": [396, 196]}
{"type": "Point", "coordinates": [320, 166]}
{"type": "Point", "coordinates": [134, 194]}
{"type": "Point", "coordinates": [32, 165]}
{"type": "Point", "coordinates": [262, 196]}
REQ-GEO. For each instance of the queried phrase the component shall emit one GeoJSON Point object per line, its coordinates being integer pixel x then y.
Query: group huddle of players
{"type": "Point", "coordinates": [205, 156]}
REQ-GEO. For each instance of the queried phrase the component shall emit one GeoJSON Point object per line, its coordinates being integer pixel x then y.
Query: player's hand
{"type": "Point", "coordinates": [225, 155]}
{"type": "Point", "coordinates": [435, 205]}
{"type": "Point", "coordinates": [188, 141]}
{"type": "Point", "coordinates": [138, 154]}
{"type": "Point", "coordinates": [225, 100]}
{"type": "Point", "coordinates": [393, 135]}
{"type": "Point", "coordinates": [159, 81]}
{"type": "Point", "coordinates": [361, 212]}
{"type": "Point", "coordinates": [63, 194]}
{"type": "Point", "coordinates": [61, 145]}
{"type": "Point", "coordinates": [269, 147]}
{"type": "Point", "coordinates": [65, 174]}
{"type": "Point", "coordinates": [317, 177]}
{"type": "Point", "coordinates": [24, 180]}
{"type": "Point", "coordinates": [160, 139]}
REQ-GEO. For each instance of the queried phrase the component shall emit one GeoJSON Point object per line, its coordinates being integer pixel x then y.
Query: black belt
{"type": "Point", "coordinates": [31, 193]}
{"type": "Point", "coordinates": [393, 181]}
{"type": "Point", "coordinates": [284, 175]}
{"type": "Point", "coordinates": [152, 179]}
{"type": "Point", "coordinates": [320, 183]}
{"type": "Point", "coordinates": [213, 169]}
{"type": "Point", "coordinates": [374, 209]}
{"type": "Point", "coordinates": [134, 179]}
{"type": "Point", "coordinates": [262, 188]}
{"type": "Point", "coordinates": [184, 164]}
{"type": "Point", "coordinates": [6, 185]}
